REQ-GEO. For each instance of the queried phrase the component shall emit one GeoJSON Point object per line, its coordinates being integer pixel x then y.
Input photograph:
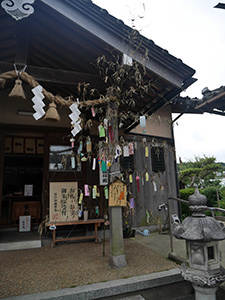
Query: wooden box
{"type": "Point", "coordinates": [40, 146]}
{"type": "Point", "coordinates": [18, 145]}
{"type": "Point", "coordinates": [30, 146]}
{"type": "Point", "coordinates": [8, 145]}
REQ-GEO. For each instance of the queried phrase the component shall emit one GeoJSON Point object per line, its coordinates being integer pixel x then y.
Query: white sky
{"type": "Point", "coordinates": [193, 31]}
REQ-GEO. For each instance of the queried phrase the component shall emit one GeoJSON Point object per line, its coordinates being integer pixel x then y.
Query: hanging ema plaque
{"type": "Point", "coordinates": [63, 201]}
{"type": "Point", "coordinates": [117, 194]}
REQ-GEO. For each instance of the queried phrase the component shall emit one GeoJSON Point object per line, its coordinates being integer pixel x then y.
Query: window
{"type": "Point", "coordinates": [210, 253]}
{"type": "Point", "coordinates": [158, 163]}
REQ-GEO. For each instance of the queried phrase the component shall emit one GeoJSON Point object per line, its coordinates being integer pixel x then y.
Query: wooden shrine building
{"type": "Point", "coordinates": [72, 51]}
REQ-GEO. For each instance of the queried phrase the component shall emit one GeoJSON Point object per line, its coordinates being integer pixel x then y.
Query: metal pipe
{"type": "Point", "coordinates": [170, 225]}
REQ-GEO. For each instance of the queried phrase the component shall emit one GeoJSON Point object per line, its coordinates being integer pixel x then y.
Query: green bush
{"type": "Point", "coordinates": [209, 192]}
{"type": "Point", "coordinates": [184, 194]}
{"type": "Point", "coordinates": [211, 195]}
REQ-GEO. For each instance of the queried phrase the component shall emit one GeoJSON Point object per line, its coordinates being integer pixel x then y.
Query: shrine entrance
{"type": "Point", "coordinates": [22, 178]}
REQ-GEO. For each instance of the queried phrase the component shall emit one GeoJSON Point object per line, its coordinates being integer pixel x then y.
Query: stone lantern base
{"type": "Point", "coordinates": [205, 293]}
{"type": "Point", "coordinates": [203, 278]}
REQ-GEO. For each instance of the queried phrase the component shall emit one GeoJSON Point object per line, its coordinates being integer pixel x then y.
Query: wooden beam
{"type": "Point", "coordinates": [210, 100]}
{"type": "Point", "coordinates": [55, 76]}
{"type": "Point", "coordinates": [22, 42]}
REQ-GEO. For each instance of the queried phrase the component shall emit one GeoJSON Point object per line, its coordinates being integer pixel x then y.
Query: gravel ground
{"type": "Point", "coordinates": [69, 265]}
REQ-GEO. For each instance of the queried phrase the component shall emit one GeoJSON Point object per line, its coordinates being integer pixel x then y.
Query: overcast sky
{"type": "Point", "coordinates": [193, 31]}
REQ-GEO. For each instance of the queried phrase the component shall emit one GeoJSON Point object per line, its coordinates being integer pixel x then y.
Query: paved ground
{"type": "Point", "coordinates": [69, 265]}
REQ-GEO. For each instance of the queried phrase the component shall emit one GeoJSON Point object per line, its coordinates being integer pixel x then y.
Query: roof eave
{"type": "Point", "coordinates": [112, 38]}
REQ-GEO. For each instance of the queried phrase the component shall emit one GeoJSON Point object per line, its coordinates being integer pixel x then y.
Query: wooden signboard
{"type": "Point", "coordinates": [117, 194]}
{"type": "Point", "coordinates": [63, 204]}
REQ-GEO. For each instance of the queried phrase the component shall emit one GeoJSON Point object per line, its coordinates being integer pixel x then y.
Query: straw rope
{"type": "Point", "coordinates": [53, 98]}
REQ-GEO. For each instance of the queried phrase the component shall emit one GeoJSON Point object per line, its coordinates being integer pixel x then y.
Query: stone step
{"type": "Point", "coordinates": [20, 245]}
{"type": "Point", "coordinates": [136, 297]}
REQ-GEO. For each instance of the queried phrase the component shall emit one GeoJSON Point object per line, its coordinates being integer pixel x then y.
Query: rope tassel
{"type": "Point", "coordinates": [52, 113]}
{"type": "Point", "coordinates": [17, 91]}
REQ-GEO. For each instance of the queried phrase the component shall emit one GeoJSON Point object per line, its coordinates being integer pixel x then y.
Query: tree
{"type": "Point", "coordinates": [203, 171]}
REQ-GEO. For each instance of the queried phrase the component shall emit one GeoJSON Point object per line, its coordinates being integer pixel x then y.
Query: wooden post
{"type": "Point", "coordinates": [117, 256]}
{"type": "Point", "coordinates": [2, 152]}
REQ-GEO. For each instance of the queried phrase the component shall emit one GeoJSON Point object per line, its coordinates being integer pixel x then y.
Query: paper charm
{"type": "Point", "coordinates": [155, 186]}
{"type": "Point", "coordinates": [146, 177]}
{"type": "Point", "coordinates": [73, 163]}
{"type": "Point", "coordinates": [108, 163]}
{"type": "Point", "coordinates": [130, 178]}
{"type": "Point", "coordinates": [138, 185]}
{"type": "Point", "coordinates": [146, 151]}
{"type": "Point", "coordinates": [142, 121]}
{"type": "Point", "coordinates": [93, 111]}
{"type": "Point", "coordinates": [77, 128]}
{"type": "Point", "coordinates": [111, 134]}
{"type": "Point", "coordinates": [131, 148]}
{"type": "Point", "coordinates": [72, 140]}
{"type": "Point", "coordinates": [125, 151]}
{"type": "Point", "coordinates": [106, 192]}
{"type": "Point", "coordinates": [74, 116]}
{"type": "Point", "coordinates": [86, 190]}
{"type": "Point", "coordinates": [104, 166]}
{"type": "Point", "coordinates": [106, 122]}
{"type": "Point", "coordinates": [93, 193]}
{"type": "Point", "coordinates": [142, 180]}
{"type": "Point", "coordinates": [94, 164]}
{"type": "Point", "coordinates": [101, 130]}
{"type": "Point", "coordinates": [81, 198]}
{"type": "Point", "coordinates": [38, 103]}
{"type": "Point", "coordinates": [118, 151]}
{"type": "Point", "coordinates": [80, 149]}
{"type": "Point", "coordinates": [88, 144]}
{"type": "Point", "coordinates": [131, 203]}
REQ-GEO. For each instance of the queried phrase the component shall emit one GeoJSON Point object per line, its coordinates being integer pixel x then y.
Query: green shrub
{"type": "Point", "coordinates": [184, 194]}
{"type": "Point", "coordinates": [211, 195]}
{"type": "Point", "coordinates": [209, 192]}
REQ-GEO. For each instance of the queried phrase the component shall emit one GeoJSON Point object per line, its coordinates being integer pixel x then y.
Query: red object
{"type": "Point", "coordinates": [138, 185]}
{"type": "Point", "coordinates": [111, 134]}
{"type": "Point", "coordinates": [121, 195]}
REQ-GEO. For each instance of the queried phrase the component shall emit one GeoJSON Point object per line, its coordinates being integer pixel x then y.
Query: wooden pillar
{"type": "Point", "coordinates": [2, 151]}
{"type": "Point", "coordinates": [117, 256]}
{"type": "Point", "coordinates": [45, 182]}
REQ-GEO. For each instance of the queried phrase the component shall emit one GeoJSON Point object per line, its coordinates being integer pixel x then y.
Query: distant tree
{"type": "Point", "coordinates": [203, 171]}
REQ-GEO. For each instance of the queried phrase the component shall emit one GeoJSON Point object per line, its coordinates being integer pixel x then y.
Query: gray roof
{"type": "Point", "coordinates": [62, 39]}
{"type": "Point", "coordinates": [200, 229]}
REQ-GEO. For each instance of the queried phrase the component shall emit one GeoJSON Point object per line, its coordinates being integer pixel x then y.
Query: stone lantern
{"type": "Point", "coordinates": [202, 234]}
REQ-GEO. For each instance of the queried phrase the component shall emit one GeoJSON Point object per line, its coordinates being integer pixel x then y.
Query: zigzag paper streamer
{"type": "Point", "coordinates": [38, 103]}
{"type": "Point", "coordinates": [74, 116]}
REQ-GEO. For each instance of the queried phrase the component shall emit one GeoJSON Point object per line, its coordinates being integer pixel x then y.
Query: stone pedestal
{"type": "Point", "coordinates": [117, 257]}
{"type": "Point", "coordinates": [204, 293]}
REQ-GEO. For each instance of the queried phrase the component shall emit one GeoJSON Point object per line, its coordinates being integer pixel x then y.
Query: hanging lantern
{"type": "Point", "coordinates": [52, 113]}
{"type": "Point", "coordinates": [17, 91]}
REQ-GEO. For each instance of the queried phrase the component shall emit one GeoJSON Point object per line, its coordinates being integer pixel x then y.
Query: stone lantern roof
{"type": "Point", "coordinates": [199, 227]}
